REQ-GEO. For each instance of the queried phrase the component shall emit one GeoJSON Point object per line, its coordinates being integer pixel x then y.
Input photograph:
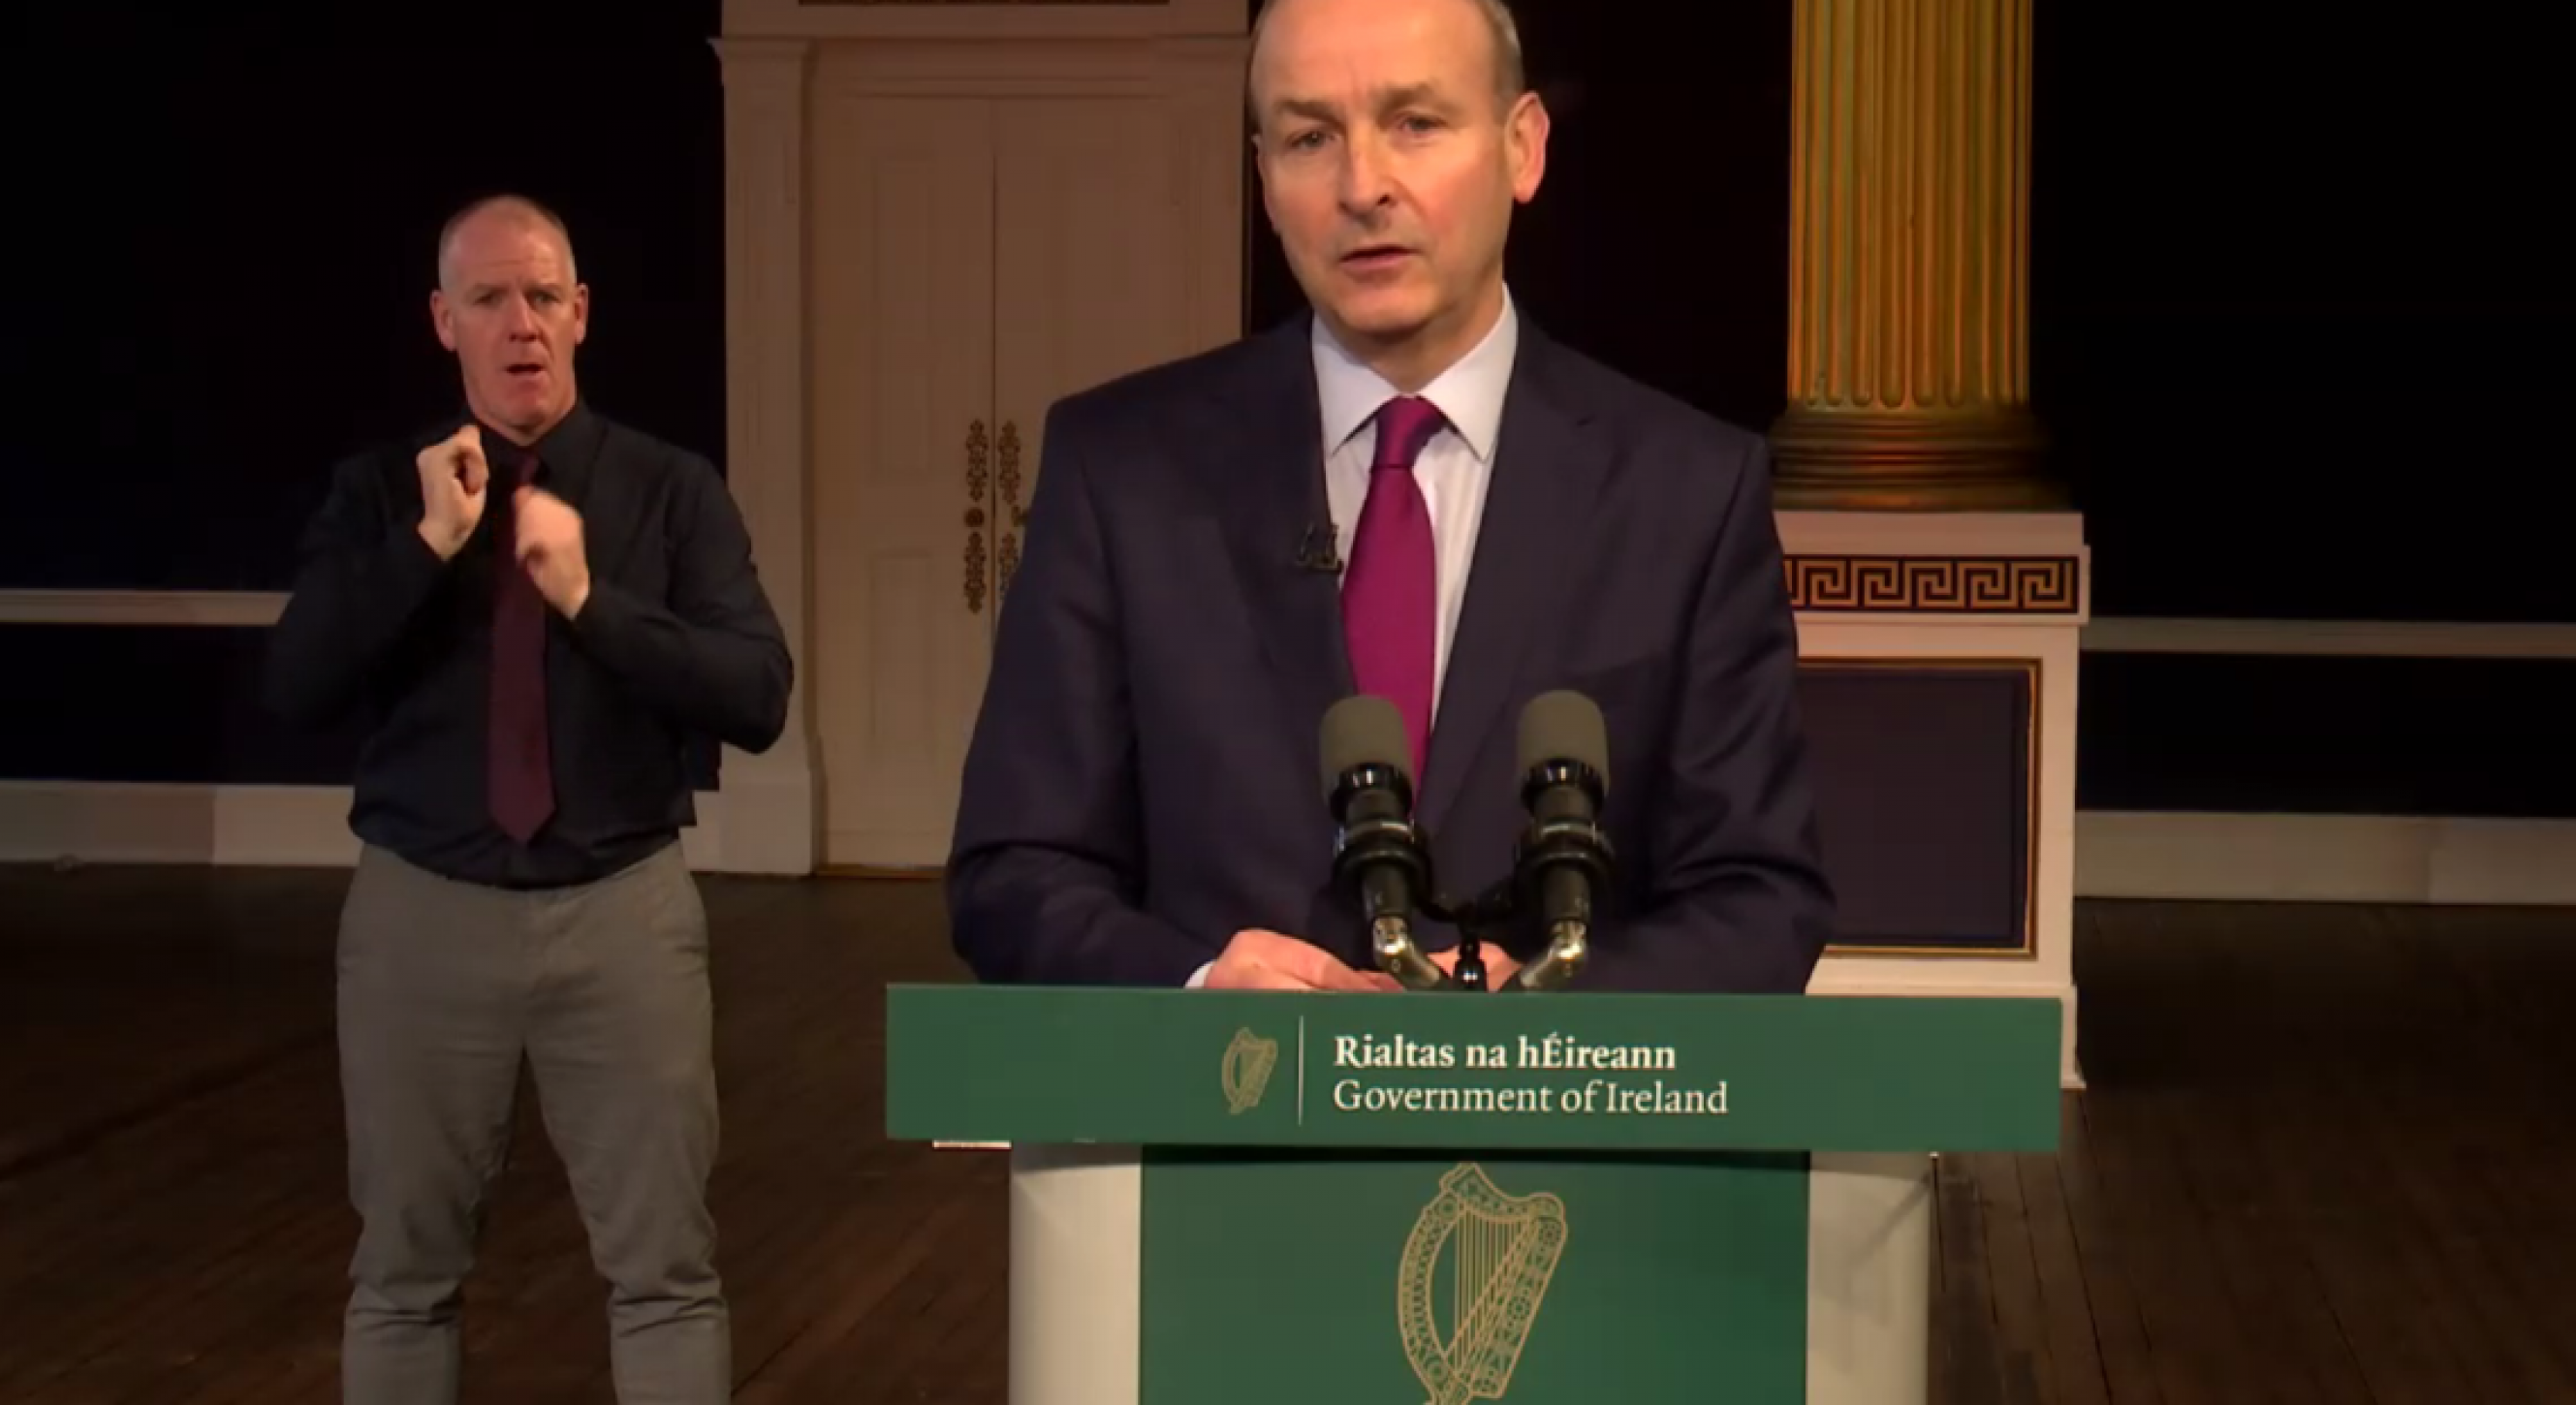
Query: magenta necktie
{"type": "Point", "coordinates": [1389, 600]}
{"type": "Point", "coordinates": [519, 775]}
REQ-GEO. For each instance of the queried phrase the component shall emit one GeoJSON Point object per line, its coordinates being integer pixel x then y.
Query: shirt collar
{"type": "Point", "coordinates": [564, 452]}
{"type": "Point", "coordinates": [1469, 394]}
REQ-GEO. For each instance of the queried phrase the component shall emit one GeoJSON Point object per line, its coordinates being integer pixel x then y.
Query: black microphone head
{"type": "Point", "coordinates": [1365, 730]}
{"type": "Point", "coordinates": [1564, 727]}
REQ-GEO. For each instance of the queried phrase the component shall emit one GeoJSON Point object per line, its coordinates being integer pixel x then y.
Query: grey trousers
{"type": "Point", "coordinates": [443, 987]}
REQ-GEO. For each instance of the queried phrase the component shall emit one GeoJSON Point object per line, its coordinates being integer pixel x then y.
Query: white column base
{"type": "Point", "coordinates": [1982, 589]}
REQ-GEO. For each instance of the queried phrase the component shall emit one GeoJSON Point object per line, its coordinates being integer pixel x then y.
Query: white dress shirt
{"type": "Point", "coordinates": [1453, 470]}
{"type": "Point", "coordinates": [1454, 467]}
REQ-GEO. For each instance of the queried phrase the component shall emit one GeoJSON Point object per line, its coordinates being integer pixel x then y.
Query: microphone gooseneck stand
{"type": "Point", "coordinates": [1562, 860]}
{"type": "Point", "coordinates": [1560, 863]}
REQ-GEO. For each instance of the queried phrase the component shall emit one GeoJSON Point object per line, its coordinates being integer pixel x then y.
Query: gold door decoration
{"type": "Point", "coordinates": [977, 447]}
{"type": "Point", "coordinates": [1495, 1253]}
{"type": "Point", "coordinates": [1006, 508]}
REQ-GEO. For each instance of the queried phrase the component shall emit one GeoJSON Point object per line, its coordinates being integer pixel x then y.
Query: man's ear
{"type": "Point", "coordinates": [1525, 142]}
{"type": "Point", "coordinates": [1261, 172]}
{"type": "Point", "coordinates": [442, 319]}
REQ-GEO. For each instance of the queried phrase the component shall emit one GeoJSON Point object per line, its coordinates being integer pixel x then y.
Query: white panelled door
{"type": "Point", "coordinates": [974, 258]}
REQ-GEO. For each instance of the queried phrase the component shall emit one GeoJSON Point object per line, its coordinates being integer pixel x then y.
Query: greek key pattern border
{"type": "Point", "coordinates": [1948, 585]}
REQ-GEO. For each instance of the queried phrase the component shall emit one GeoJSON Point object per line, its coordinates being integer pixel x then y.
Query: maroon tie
{"type": "Point", "coordinates": [519, 775]}
{"type": "Point", "coordinates": [1389, 600]}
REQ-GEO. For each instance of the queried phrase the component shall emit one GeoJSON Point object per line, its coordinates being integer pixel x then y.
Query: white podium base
{"type": "Point", "coordinates": [1077, 1281]}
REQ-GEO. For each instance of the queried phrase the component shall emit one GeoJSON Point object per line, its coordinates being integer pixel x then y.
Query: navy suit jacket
{"type": "Point", "coordinates": [1144, 779]}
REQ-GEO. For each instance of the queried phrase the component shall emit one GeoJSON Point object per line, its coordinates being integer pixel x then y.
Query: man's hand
{"type": "Point", "coordinates": [550, 548]}
{"type": "Point", "coordinates": [1499, 964]}
{"type": "Point", "coordinates": [1259, 960]}
{"type": "Point", "coordinates": [453, 475]}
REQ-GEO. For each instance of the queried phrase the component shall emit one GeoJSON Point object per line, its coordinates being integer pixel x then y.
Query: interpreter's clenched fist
{"type": "Point", "coordinates": [1261, 960]}
{"type": "Point", "coordinates": [453, 475]}
{"type": "Point", "coordinates": [550, 549]}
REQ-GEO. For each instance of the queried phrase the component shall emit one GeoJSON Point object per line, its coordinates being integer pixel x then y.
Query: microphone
{"type": "Point", "coordinates": [1320, 550]}
{"type": "Point", "coordinates": [1378, 852]}
{"type": "Point", "coordinates": [1563, 857]}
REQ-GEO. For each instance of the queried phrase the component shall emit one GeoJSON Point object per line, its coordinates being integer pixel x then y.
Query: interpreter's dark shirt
{"type": "Point", "coordinates": [677, 638]}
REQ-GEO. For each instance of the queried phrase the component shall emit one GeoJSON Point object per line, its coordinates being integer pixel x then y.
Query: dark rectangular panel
{"type": "Point", "coordinates": [1924, 782]}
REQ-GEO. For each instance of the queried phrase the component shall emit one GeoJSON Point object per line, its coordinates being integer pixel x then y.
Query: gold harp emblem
{"type": "Point", "coordinates": [1245, 1070]}
{"type": "Point", "coordinates": [1476, 1268]}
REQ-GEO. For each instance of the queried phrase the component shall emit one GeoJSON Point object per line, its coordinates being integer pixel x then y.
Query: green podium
{"type": "Point", "coordinates": [1429, 1199]}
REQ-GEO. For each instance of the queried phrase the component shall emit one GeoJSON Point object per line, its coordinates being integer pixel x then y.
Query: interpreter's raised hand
{"type": "Point", "coordinates": [1263, 960]}
{"type": "Point", "coordinates": [550, 548]}
{"type": "Point", "coordinates": [453, 476]}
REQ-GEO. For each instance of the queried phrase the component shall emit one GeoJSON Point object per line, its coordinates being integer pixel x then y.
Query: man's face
{"type": "Point", "coordinates": [1389, 166]}
{"type": "Point", "coordinates": [510, 310]}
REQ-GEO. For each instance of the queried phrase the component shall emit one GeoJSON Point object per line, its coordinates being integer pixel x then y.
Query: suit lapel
{"type": "Point", "coordinates": [1273, 488]}
{"type": "Point", "coordinates": [1547, 476]}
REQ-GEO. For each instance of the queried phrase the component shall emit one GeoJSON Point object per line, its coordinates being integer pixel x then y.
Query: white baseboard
{"type": "Point", "coordinates": [2326, 858]}
{"type": "Point", "coordinates": [222, 609]}
{"type": "Point", "coordinates": [757, 825]}
{"type": "Point", "coordinates": [109, 822]}
{"type": "Point", "coordinates": [284, 826]}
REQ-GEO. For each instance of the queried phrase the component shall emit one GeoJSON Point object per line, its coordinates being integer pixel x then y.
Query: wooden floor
{"type": "Point", "coordinates": [2328, 1154]}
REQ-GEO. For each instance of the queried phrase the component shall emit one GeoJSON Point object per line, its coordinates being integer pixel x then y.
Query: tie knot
{"type": "Point", "coordinates": [1404, 425]}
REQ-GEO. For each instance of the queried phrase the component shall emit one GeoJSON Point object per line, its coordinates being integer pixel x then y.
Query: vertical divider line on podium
{"type": "Point", "coordinates": [1497, 1200]}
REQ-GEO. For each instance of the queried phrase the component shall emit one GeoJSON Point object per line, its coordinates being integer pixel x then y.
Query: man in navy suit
{"type": "Point", "coordinates": [1142, 802]}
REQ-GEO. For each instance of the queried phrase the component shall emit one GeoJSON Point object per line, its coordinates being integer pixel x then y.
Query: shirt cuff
{"type": "Point", "coordinates": [1198, 978]}
{"type": "Point", "coordinates": [606, 620]}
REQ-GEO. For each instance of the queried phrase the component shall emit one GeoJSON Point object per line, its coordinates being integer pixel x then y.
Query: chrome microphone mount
{"type": "Point", "coordinates": [1479, 921]}
{"type": "Point", "coordinates": [1561, 863]}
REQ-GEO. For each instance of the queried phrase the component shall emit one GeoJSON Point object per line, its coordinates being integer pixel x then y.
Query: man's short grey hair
{"type": "Point", "coordinates": [526, 207]}
{"type": "Point", "coordinates": [1511, 71]}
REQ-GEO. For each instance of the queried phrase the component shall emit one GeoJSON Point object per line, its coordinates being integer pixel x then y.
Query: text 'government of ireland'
{"type": "Point", "coordinates": [1576, 1078]}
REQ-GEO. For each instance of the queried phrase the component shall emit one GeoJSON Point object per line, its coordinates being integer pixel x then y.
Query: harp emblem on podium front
{"type": "Point", "coordinates": [1475, 1270]}
{"type": "Point", "coordinates": [1246, 1070]}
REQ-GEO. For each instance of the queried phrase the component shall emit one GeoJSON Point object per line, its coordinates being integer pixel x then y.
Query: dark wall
{"type": "Point", "coordinates": [231, 275]}
{"type": "Point", "coordinates": [2300, 309]}
{"type": "Point", "coordinates": [229, 252]}
{"type": "Point", "coordinates": [2298, 320]}
{"type": "Point", "coordinates": [2303, 308]}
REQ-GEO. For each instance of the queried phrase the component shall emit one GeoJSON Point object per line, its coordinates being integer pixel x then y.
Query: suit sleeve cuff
{"type": "Point", "coordinates": [606, 620]}
{"type": "Point", "coordinates": [412, 561]}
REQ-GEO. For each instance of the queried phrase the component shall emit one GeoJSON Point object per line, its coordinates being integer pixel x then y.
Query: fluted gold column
{"type": "Point", "coordinates": [1909, 260]}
